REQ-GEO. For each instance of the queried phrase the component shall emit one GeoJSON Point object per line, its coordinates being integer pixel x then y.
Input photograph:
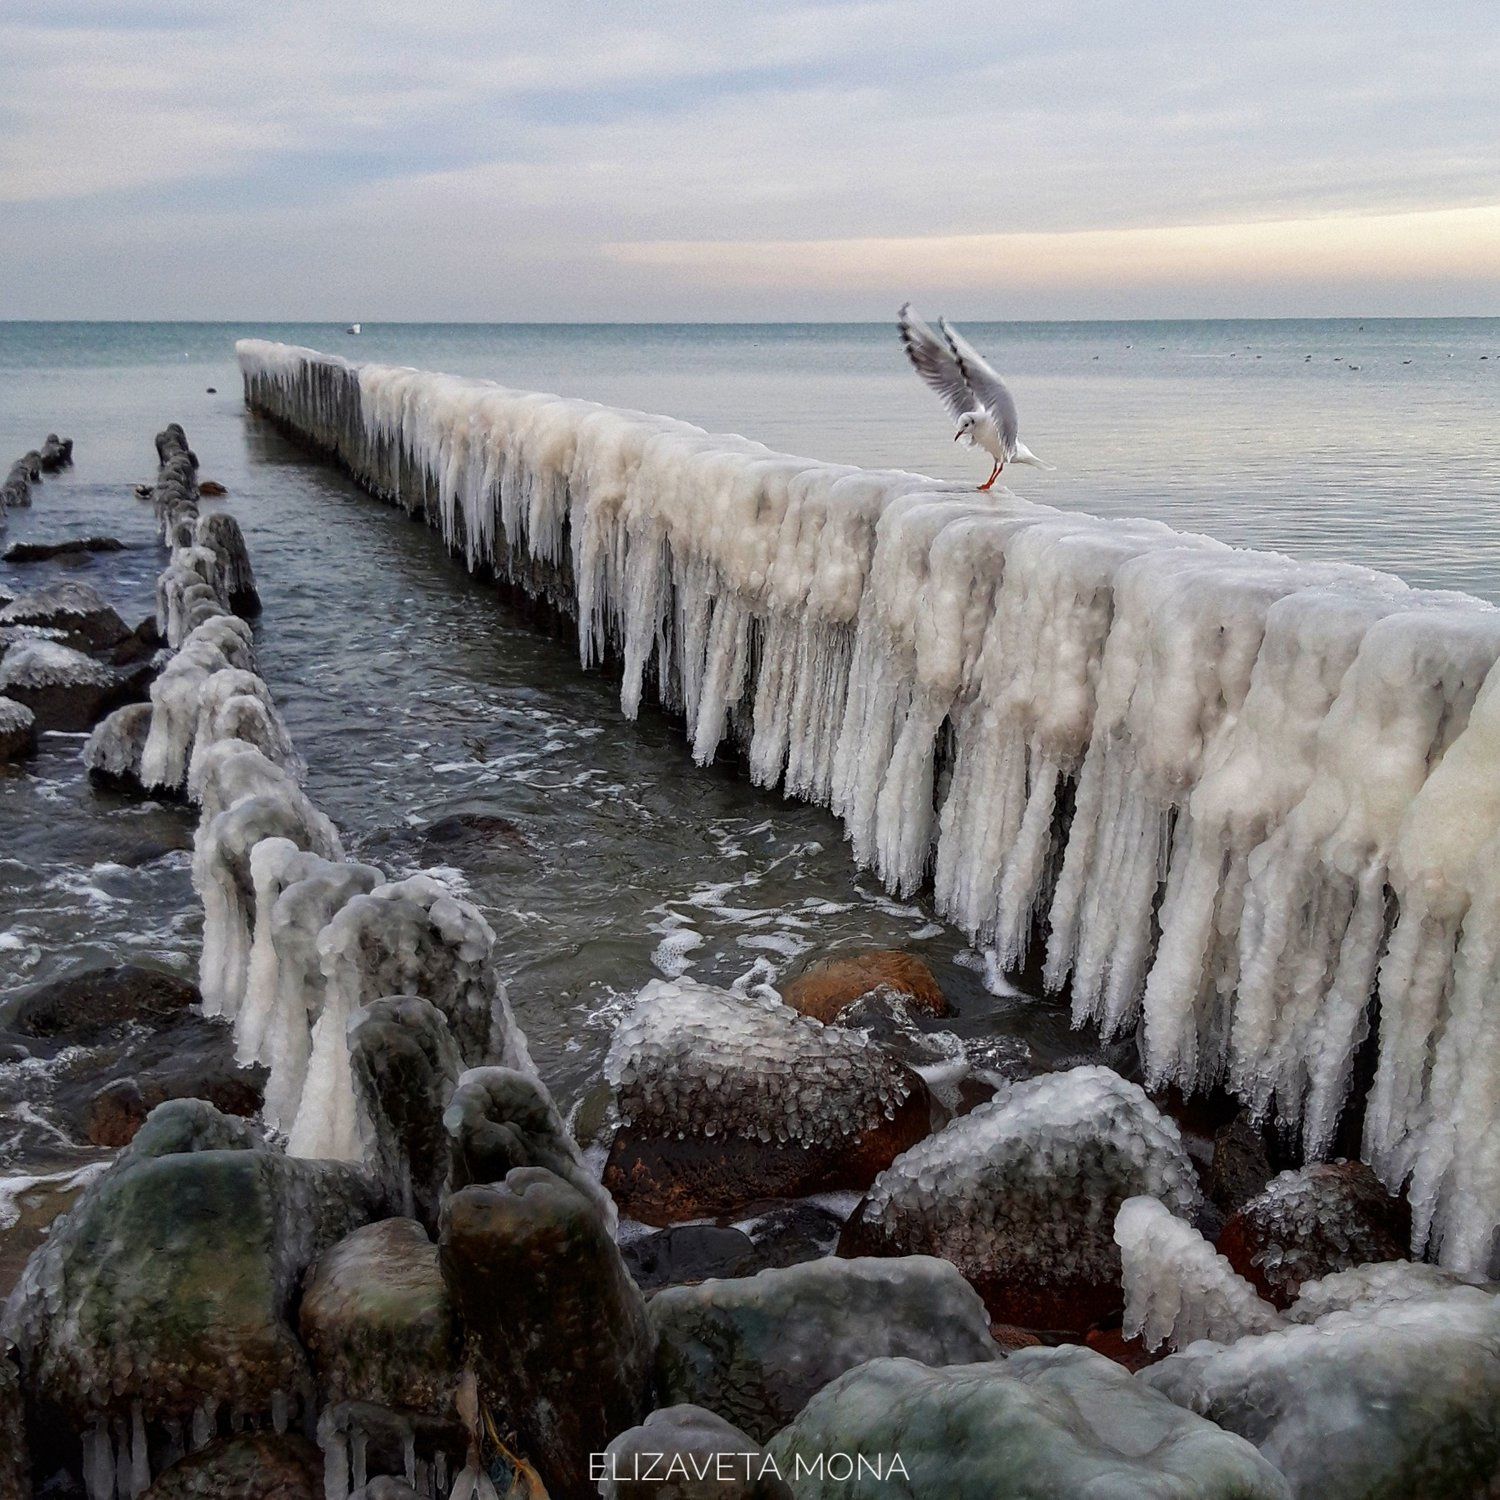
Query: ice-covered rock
{"type": "Point", "coordinates": [167, 1292]}
{"type": "Point", "coordinates": [1042, 1423]}
{"type": "Point", "coordinates": [553, 1324]}
{"type": "Point", "coordinates": [77, 608]}
{"type": "Point", "coordinates": [17, 730]}
{"type": "Point", "coordinates": [376, 1319]}
{"type": "Point", "coordinates": [688, 1453]}
{"type": "Point", "coordinates": [755, 1350]}
{"type": "Point", "coordinates": [1178, 1288]}
{"type": "Point", "coordinates": [727, 1098]}
{"type": "Point", "coordinates": [113, 752]}
{"type": "Point", "coordinates": [1307, 1223]}
{"type": "Point", "coordinates": [176, 697]}
{"type": "Point", "coordinates": [499, 1119]}
{"type": "Point", "coordinates": [1021, 1195]}
{"type": "Point", "coordinates": [62, 688]}
{"type": "Point", "coordinates": [1392, 1399]}
{"type": "Point", "coordinates": [404, 1066]}
{"type": "Point", "coordinates": [234, 704]}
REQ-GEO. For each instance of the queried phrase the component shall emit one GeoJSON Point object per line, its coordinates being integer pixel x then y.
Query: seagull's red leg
{"type": "Point", "coordinates": [994, 475]}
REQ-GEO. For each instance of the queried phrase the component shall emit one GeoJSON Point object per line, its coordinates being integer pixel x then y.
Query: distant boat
{"type": "Point", "coordinates": [352, 328]}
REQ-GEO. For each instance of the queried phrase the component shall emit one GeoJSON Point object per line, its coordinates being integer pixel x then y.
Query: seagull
{"type": "Point", "coordinates": [981, 405]}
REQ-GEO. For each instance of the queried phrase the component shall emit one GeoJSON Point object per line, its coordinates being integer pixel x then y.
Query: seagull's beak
{"type": "Point", "coordinates": [956, 436]}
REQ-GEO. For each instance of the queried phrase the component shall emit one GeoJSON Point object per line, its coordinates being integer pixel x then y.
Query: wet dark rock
{"type": "Point", "coordinates": [555, 1328]}
{"type": "Point", "coordinates": [405, 1067]}
{"type": "Point", "coordinates": [173, 1280]}
{"type": "Point", "coordinates": [1326, 1217]}
{"type": "Point", "coordinates": [221, 534]}
{"type": "Point", "coordinates": [142, 642]}
{"type": "Point", "coordinates": [15, 1461]}
{"type": "Point", "coordinates": [56, 453]}
{"type": "Point", "coordinates": [825, 988]}
{"type": "Point", "coordinates": [706, 1457]}
{"type": "Point", "coordinates": [459, 827]}
{"type": "Point", "coordinates": [792, 1233]}
{"type": "Point", "coordinates": [663, 1180]}
{"type": "Point", "coordinates": [688, 1253]}
{"type": "Point", "coordinates": [88, 1001]}
{"type": "Point", "coordinates": [756, 1350]}
{"type": "Point", "coordinates": [65, 689]}
{"type": "Point", "coordinates": [1048, 1423]}
{"type": "Point", "coordinates": [252, 1466]}
{"type": "Point", "coordinates": [17, 730]}
{"type": "Point", "coordinates": [77, 608]}
{"type": "Point", "coordinates": [28, 552]}
{"type": "Point", "coordinates": [377, 1321]}
{"type": "Point", "coordinates": [1240, 1166]}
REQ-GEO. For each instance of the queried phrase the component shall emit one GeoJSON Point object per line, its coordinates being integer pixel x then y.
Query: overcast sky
{"type": "Point", "coordinates": [483, 160]}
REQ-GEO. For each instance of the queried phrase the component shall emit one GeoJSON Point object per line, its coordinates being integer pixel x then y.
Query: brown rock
{"type": "Point", "coordinates": [665, 1180]}
{"type": "Point", "coordinates": [211, 488]}
{"type": "Point", "coordinates": [1132, 1353]}
{"type": "Point", "coordinates": [1010, 1337]}
{"type": "Point", "coordinates": [115, 1113]}
{"type": "Point", "coordinates": [826, 987]}
{"type": "Point", "coordinates": [1326, 1217]}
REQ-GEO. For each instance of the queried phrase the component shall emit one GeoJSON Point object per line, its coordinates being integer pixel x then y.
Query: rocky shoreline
{"type": "Point", "coordinates": [349, 1245]}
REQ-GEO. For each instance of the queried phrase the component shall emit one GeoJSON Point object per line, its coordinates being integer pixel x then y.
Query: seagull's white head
{"type": "Point", "coordinates": [966, 425]}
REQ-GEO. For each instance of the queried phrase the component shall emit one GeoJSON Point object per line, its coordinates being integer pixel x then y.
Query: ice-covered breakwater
{"type": "Point", "coordinates": [1252, 803]}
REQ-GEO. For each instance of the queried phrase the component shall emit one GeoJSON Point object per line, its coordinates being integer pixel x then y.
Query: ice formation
{"type": "Point", "coordinates": [220, 533]}
{"type": "Point", "coordinates": [690, 1057]}
{"type": "Point", "coordinates": [1178, 1288]}
{"type": "Point", "coordinates": [1237, 788]}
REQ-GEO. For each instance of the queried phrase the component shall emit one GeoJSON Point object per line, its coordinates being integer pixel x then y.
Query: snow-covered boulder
{"type": "Point", "coordinates": [729, 1098]}
{"type": "Point", "coordinates": [1044, 1423]}
{"type": "Point", "coordinates": [113, 752]}
{"type": "Point", "coordinates": [63, 688]}
{"type": "Point", "coordinates": [72, 606]}
{"type": "Point", "coordinates": [17, 730]}
{"type": "Point", "coordinates": [756, 1349]}
{"type": "Point", "coordinates": [1021, 1195]}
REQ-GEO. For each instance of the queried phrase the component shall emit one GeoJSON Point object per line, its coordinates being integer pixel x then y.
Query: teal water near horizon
{"type": "Point", "coordinates": [605, 858]}
{"type": "Point", "coordinates": [1370, 441]}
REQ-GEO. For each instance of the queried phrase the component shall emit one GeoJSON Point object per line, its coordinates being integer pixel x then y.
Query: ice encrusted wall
{"type": "Point", "coordinates": [1245, 798]}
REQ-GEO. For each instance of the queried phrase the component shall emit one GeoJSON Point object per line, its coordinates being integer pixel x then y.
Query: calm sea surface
{"type": "Point", "coordinates": [414, 695]}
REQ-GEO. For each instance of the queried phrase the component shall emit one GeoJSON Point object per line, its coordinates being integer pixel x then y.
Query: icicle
{"type": "Point", "coordinates": [360, 1446]}
{"type": "Point", "coordinates": [140, 1456]}
{"type": "Point", "coordinates": [279, 1412]}
{"type": "Point", "coordinates": [205, 1424]}
{"type": "Point", "coordinates": [99, 1462]}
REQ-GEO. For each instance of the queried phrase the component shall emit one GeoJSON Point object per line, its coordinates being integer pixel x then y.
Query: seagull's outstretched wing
{"type": "Point", "coordinates": [933, 360]}
{"type": "Point", "coordinates": [989, 391]}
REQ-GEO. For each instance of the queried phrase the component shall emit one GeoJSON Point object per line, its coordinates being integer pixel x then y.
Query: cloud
{"type": "Point", "coordinates": [494, 158]}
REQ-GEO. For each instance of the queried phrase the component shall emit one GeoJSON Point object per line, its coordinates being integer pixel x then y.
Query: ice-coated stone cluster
{"type": "Point", "coordinates": [1390, 1391]}
{"type": "Point", "coordinates": [1178, 1288]}
{"type": "Point", "coordinates": [1045, 1422]}
{"type": "Point", "coordinates": [1022, 1191]}
{"type": "Point", "coordinates": [690, 1057]}
{"type": "Point", "coordinates": [755, 1349]}
{"type": "Point", "coordinates": [1158, 750]}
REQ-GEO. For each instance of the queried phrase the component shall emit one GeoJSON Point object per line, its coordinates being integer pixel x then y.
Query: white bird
{"type": "Point", "coordinates": [981, 405]}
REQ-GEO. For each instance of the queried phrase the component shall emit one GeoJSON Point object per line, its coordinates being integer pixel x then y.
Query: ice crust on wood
{"type": "Point", "coordinates": [1276, 766]}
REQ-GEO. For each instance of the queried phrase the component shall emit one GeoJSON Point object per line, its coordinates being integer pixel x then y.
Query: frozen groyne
{"type": "Point", "coordinates": [1251, 806]}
